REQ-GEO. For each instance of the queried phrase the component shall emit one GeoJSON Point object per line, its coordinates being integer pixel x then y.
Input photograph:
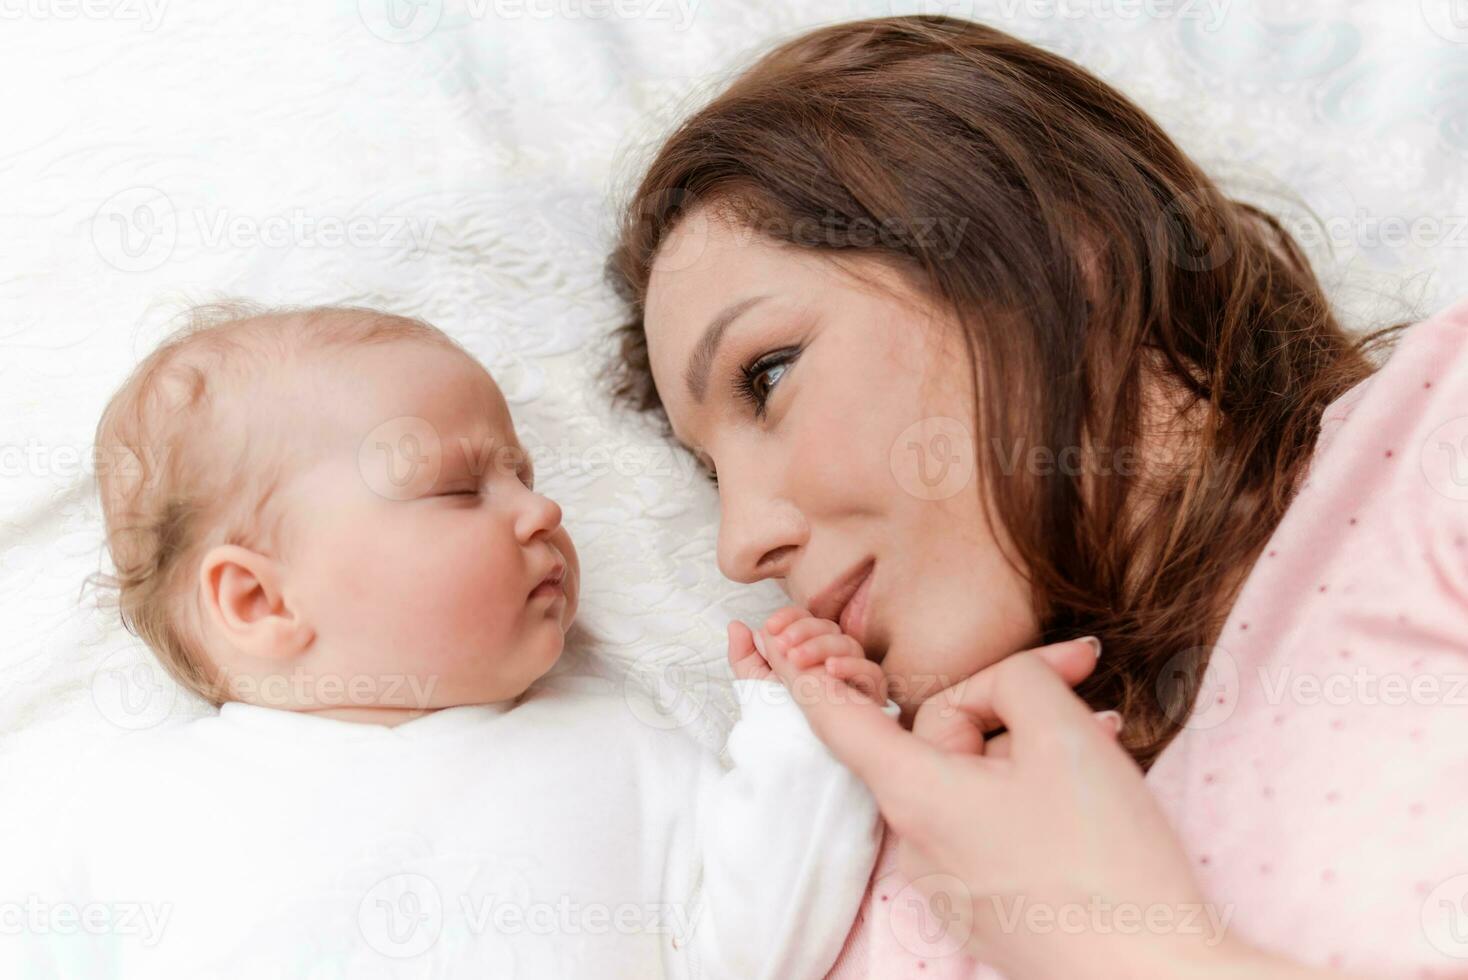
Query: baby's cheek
{"type": "Point", "coordinates": [478, 592]}
{"type": "Point", "coordinates": [414, 580]}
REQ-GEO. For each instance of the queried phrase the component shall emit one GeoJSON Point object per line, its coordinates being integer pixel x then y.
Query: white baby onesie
{"type": "Point", "coordinates": [571, 835]}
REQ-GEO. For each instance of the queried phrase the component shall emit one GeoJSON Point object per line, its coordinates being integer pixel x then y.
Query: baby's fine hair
{"type": "Point", "coordinates": [188, 475]}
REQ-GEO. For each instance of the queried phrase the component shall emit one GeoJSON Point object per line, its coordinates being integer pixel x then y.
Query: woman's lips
{"type": "Point", "coordinates": [853, 615]}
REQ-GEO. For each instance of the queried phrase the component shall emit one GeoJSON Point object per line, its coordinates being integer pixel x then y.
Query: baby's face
{"type": "Point", "coordinates": [415, 544]}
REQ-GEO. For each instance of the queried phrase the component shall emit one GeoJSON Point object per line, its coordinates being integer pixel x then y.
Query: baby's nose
{"type": "Point", "coordinates": [538, 515]}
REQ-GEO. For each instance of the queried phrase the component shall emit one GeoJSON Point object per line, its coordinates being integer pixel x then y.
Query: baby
{"type": "Point", "coordinates": [332, 532]}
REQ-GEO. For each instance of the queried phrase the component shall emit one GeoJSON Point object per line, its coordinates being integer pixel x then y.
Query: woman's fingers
{"type": "Point", "coordinates": [999, 746]}
{"type": "Point", "coordinates": [903, 770]}
{"type": "Point", "coordinates": [1030, 699]}
{"type": "Point", "coordinates": [860, 673]}
{"type": "Point", "coordinates": [969, 704]}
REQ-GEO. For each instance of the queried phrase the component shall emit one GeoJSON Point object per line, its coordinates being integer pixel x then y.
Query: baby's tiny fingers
{"type": "Point", "coordinates": [783, 618]}
{"type": "Point", "coordinates": [804, 629]}
{"type": "Point", "coordinates": [818, 648]}
{"type": "Point", "coordinates": [744, 656]}
{"type": "Point", "coordinates": [741, 640]}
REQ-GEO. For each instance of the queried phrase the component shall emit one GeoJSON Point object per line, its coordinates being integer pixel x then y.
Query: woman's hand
{"type": "Point", "coordinates": [1051, 861]}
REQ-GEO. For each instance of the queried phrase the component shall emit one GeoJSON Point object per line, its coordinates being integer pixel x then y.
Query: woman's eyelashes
{"type": "Point", "coordinates": [757, 380]}
{"type": "Point", "coordinates": [754, 382]}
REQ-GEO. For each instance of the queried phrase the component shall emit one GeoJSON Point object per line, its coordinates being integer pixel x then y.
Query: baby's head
{"type": "Point", "coordinates": [328, 510]}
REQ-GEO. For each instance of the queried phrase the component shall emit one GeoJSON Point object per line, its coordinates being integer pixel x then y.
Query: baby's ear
{"type": "Point", "coordinates": [243, 599]}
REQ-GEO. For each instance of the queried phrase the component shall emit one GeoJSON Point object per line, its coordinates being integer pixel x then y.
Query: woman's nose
{"type": "Point", "coordinates": [758, 534]}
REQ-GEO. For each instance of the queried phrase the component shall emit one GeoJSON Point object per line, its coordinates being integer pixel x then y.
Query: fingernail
{"type": "Point", "coordinates": [759, 643]}
{"type": "Point", "coordinates": [1095, 645]}
{"type": "Point", "coordinates": [1112, 718]}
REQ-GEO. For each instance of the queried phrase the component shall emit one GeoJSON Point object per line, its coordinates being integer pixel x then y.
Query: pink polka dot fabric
{"type": "Point", "coordinates": [899, 935]}
{"type": "Point", "coordinates": [1321, 780]}
{"type": "Point", "coordinates": [1320, 783]}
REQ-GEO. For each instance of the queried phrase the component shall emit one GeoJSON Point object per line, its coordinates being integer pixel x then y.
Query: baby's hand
{"type": "Point", "coordinates": [808, 642]}
{"type": "Point", "coordinates": [747, 662]}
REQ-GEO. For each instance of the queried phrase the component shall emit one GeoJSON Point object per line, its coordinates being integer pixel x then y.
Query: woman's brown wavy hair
{"type": "Point", "coordinates": [1087, 259]}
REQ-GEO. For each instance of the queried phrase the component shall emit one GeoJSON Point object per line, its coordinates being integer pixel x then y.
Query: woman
{"type": "Point", "coordinates": [980, 360]}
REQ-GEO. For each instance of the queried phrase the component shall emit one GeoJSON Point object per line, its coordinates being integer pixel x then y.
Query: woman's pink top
{"type": "Point", "coordinates": [1320, 783]}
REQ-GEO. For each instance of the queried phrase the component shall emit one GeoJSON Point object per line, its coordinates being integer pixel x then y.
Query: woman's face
{"type": "Point", "coordinates": [834, 405]}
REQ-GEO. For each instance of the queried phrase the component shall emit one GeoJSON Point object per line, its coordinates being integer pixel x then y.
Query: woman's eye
{"type": "Point", "coordinates": [771, 376]}
{"type": "Point", "coordinates": [758, 380]}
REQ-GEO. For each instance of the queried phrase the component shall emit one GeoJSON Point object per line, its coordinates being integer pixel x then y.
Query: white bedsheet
{"type": "Point", "coordinates": [155, 153]}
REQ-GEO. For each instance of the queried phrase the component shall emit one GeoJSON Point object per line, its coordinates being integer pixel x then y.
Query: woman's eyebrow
{"type": "Point", "coordinates": [696, 376]}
